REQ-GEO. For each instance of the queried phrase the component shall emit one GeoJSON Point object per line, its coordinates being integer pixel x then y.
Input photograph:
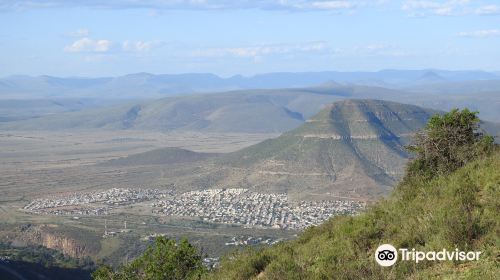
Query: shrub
{"type": "Point", "coordinates": [165, 259]}
{"type": "Point", "coordinates": [447, 143]}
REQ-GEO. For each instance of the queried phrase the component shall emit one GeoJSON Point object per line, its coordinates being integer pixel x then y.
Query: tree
{"type": "Point", "coordinates": [165, 259]}
{"type": "Point", "coordinates": [448, 142]}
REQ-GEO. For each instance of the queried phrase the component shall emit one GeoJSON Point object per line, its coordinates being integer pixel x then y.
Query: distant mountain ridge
{"type": "Point", "coordinates": [250, 111]}
{"type": "Point", "coordinates": [146, 85]}
{"type": "Point", "coordinates": [240, 111]}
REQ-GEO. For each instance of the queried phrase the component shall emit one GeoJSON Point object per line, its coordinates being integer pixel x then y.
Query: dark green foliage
{"type": "Point", "coordinates": [44, 256]}
{"type": "Point", "coordinates": [39, 262]}
{"type": "Point", "coordinates": [104, 272]}
{"type": "Point", "coordinates": [166, 259]}
{"type": "Point", "coordinates": [448, 142]}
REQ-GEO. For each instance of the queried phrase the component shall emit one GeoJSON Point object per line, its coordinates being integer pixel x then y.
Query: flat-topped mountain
{"type": "Point", "coordinates": [351, 148]}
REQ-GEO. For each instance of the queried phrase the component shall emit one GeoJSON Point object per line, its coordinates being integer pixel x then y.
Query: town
{"type": "Point", "coordinates": [252, 209]}
{"type": "Point", "coordinates": [65, 205]}
{"type": "Point", "coordinates": [236, 206]}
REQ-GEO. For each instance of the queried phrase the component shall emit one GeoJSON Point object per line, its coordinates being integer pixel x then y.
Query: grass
{"type": "Point", "coordinates": [455, 211]}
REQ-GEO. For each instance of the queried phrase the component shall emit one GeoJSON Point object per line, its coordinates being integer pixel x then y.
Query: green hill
{"type": "Point", "coordinates": [262, 111]}
{"type": "Point", "coordinates": [352, 148]}
{"type": "Point", "coordinates": [459, 210]}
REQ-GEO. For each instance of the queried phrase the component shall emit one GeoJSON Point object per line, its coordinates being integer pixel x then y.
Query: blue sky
{"type": "Point", "coordinates": [88, 38]}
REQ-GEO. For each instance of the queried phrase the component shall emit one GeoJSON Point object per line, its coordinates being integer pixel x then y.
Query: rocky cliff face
{"type": "Point", "coordinates": [53, 237]}
{"type": "Point", "coordinates": [67, 245]}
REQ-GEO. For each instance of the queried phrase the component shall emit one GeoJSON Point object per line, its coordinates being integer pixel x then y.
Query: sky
{"type": "Point", "coordinates": [229, 37]}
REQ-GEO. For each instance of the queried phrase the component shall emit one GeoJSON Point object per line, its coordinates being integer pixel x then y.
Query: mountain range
{"type": "Point", "coordinates": [146, 85]}
{"type": "Point", "coordinates": [252, 111]}
{"type": "Point", "coordinates": [275, 110]}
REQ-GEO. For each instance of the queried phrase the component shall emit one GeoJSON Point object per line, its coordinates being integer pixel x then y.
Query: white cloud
{"type": "Point", "coordinates": [310, 48]}
{"type": "Point", "coordinates": [481, 33]}
{"type": "Point", "coordinates": [488, 10]}
{"type": "Point", "coordinates": [89, 45]}
{"type": "Point", "coordinates": [263, 50]}
{"type": "Point", "coordinates": [440, 8]}
{"type": "Point", "coordinates": [138, 46]}
{"type": "Point", "coordinates": [82, 32]}
{"type": "Point", "coordinates": [371, 50]}
{"type": "Point", "coordinates": [327, 5]}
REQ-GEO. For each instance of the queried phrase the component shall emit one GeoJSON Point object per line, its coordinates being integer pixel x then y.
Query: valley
{"type": "Point", "coordinates": [73, 163]}
{"type": "Point", "coordinates": [249, 140]}
{"type": "Point", "coordinates": [87, 191]}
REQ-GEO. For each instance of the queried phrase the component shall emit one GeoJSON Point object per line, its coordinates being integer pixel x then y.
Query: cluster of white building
{"type": "Point", "coordinates": [252, 209]}
{"type": "Point", "coordinates": [228, 206]}
{"type": "Point", "coordinates": [65, 205]}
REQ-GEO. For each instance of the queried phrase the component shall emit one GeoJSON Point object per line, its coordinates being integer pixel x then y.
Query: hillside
{"type": "Point", "coordinates": [19, 109]}
{"type": "Point", "coordinates": [239, 111]}
{"type": "Point", "coordinates": [459, 210]}
{"type": "Point", "coordinates": [250, 111]}
{"type": "Point", "coordinates": [352, 148]}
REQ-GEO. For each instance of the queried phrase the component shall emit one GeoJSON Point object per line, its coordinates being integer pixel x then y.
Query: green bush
{"type": "Point", "coordinates": [166, 259]}
{"type": "Point", "coordinates": [448, 142]}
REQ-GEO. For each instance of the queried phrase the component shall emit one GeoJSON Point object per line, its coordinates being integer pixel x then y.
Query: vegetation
{"type": "Point", "coordinates": [457, 207]}
{"type": "Point", "coordinates": [39, 262]}
{"type": "Point", "coordinates": [448, 199]}
{"type": "Point", "coordinates": [44, 256]}
{"type": "Point", "coordinates": [448, 142]}
{"type": "Point", "coordinates": [166, 259]}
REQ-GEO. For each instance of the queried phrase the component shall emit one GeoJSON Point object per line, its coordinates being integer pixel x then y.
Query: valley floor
{"type": "Point", "coordinates": [41, 164]}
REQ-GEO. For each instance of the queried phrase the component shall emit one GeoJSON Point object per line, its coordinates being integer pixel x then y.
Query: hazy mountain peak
{"type": "Point", "coordinates": [430, 77]}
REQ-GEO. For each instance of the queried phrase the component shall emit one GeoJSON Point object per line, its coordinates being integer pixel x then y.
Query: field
{"type": "Point", "coordinates": [34, 163]}
{"type": "Point", "coordinates": [42, 164]}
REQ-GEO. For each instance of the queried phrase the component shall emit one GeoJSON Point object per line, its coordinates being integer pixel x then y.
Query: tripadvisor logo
{"type": "Point", "coordinates": [387, 255]}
